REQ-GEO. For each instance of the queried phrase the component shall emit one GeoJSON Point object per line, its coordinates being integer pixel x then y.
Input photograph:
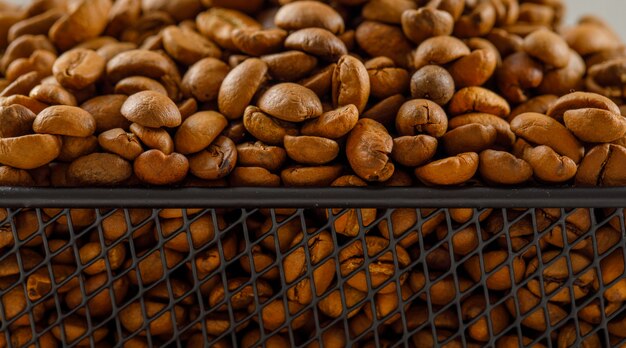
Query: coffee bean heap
{"type": "Point", "coordinates": [303, 93]}
{"type": "Point", "coordinates": [349, 93]}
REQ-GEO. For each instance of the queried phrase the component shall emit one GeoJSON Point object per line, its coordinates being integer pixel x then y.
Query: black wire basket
{"type": "Point", "coordinates": [255, 279]}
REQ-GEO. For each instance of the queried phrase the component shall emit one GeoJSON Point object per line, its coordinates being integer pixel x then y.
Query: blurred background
{"type": "Point", "coordinates": [612, 11]}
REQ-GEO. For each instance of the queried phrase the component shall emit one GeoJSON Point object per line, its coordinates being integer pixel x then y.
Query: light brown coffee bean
{"type": "Point", "coordinates": [17, 120]}
{"type": "Point", "coordinates": [17, 152]}
{"type": "Point", "coordinates": [478, 67]}
{"type": "Point", "coordinates": [595, 125]}
{"type": "Point", "coordinates": [196, 84]}
{"type": "Point", "coordinates": [420, 116]}
{"type": "Point", "coordinates": [333, 124]}
{"type": "Point", "coordinates": [22, 85]}
{"type": "Point", "coordinates": [439, 50]}
{"type": "Point", "coordinates": [154, 138]}
{"type": "Point", "coordinates": [505, 137]}
{"type": "Point", "coordinates": [99, 169]}
{"type": "Point", "coordinates": [426, 22]}
{"type": "Point", "coordinates": [156, 168]}
{"type": "Point", "coordinates": [258, 154]}
{"type": "Point", "coordinates": [23, 47]}
{"type": "Point", "coordinates": [564, 80]}
{"type": "Point", "coordinates": [383, 40]}
{"type": "Point", "coordinates": [40, 61]}
{"type": "Point", "coordinates": [311, 150]}
{"type": "Point", "coordinates": [253, 177]}
{"type": "Point", "coordinates": [449, 171]}
{"type": "Point", "coordinates": [518, 76]}
{"type": "Point", "coordinates": [135, 84]}
{"type": "Point", "coordinates": [78, 68]}
{"type": "Point", "coordinates": [151, 109]}
{"type": "Point", "coordinates": [74, 147]}
{"type": "Point", "coordinates": [548, 47]}
{"type": "Point", "coordinates": [414, 151]}
{"type": "Point", "coordinates": [121, 143]}
{"type": "Point", "coordinates": [309, 14]}
{"type": "Point", "coordinates": [259, 42]}
{"type": "Point", "coordinates": [239, 87]}
{"type": "Point", "coordinates": [581, 100]}
{"type": "Point", "coordinates": [290, 102]}
{"type": "Point", "coordinates": [105, 110]}
{"type": "Point", "coordinates": [317, 42]}
{"type": "Point", "coordinates": [187, 46]}
{"type": "Point", "coordinates": [140, 62]}
{"type": "Point", "coordinates": [602, 166]}
{"type": "Point", "coordinates": [289, 65]}
{"type": "Point", "coordinates": [318, 176]}
{"type": "Point", "coordinates": [503, 168]}
{"type": "Point", "coordinates": [480, 100]}
{"type": "Point", "coordinates": [350, 83]}
{"type": "Point", "coordinates": [216, 161]}
{"type": "Point", "coordinates": [385, 78]}
{"type": "Point", "coordinates": [218, 25]}
{"type": "Point", "coordinates": [266, 128]}
{"type": "Point", "coordinates": [198, 131]}
{"type": "Point", "coordinates": [368, 148]}
{"type": "Point", "coordinates": [86, 20]}
{"type": "Point", "coordinates": [434, 83]}
{"type": "Point", "coordinates": [52, 95]}
{"type": "Point", "coordinates": [548, 165]}
{"type": "Point", "coordinates": [473, 137]}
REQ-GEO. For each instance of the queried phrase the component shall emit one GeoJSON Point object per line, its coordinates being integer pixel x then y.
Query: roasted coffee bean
{"type": "Point", "coordinates": [290, 102]}
{"type": "Point", "coordinates": [449, 171]}
{"type": "Point", "coordinates": [368, 149]}
{"type": "Point", "coordinates": [151, 109]}
{"type": "Point", "coordinates": [602, 166]}
{"type": "Point", "coordinates": [317, 42]}
{"type": "Point", "coordinates": [198, 131]}
{"type": "Point", "coordinates": [309, 14]}
{"type": "Point", "coordinates": [420, 116]}
{"type": "Point", "coordinates": [239, 86]}
{"type": "Point", "coordinates": [78, 68]}
{"type": "Point", "coordinates": [434, 83]}
{"type": "Point", "coordinates": [311, 150]}
{"type": "Point", "coordinates": [350, 83]}
{"type": "Point", "coordinates": [503, 168]}
{"type": "Point", "coordinates": [385, 78]}
{"type": "Point", "coordinates": [157, 168]}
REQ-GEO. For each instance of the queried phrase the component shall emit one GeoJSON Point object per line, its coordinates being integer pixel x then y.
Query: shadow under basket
{"type": "Point", "coordinates": [328, 267]}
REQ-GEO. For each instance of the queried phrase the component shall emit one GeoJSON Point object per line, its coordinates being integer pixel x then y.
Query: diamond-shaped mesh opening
{"type": "Point", "coordinates": [401, 277]}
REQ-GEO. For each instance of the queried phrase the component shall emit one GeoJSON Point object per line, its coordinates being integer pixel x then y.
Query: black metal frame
{"type": "Point", "coordinates": [249, 200]}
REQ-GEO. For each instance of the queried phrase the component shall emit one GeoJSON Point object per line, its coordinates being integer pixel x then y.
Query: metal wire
{"type": "Point", "coordinates": [31, 314]}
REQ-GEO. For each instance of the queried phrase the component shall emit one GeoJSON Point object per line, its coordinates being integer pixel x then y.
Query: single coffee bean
{"type": "Point", "coordinates": [420, 116]}
{"type": "Point", "coordinates": [195, 84]}
{"type": "Point", "coordinates": [350, 83]}
{"type": "Point", "coordinates": [518, 76]}
{"type": "Point", "coordinates": [22, 85]}
{"type": "Point", "coordinates": [564, 80]}
{"type": "Point", "coordinates": [449, 171]}
{"type": "Point", "coordinates": [479, 100]}
{"type": "Point", "coordinates": [151, 109]}
{"type": "Point", "coordinates": [239, 87]}
{"type": "Point", "coordinates": [505, 137]}
{"type": "Point", "coordinates": [253, 177]}
{"type": "Point", "coordinates": [154, 138]}
{"type": "Point", "coordinates": [386, 110]}
{"type": "Point", "coordinates": [135, 84]}
{"type": "Point", "coordinates": [581, 100]}
{"type": "Point", "coordinates": [156, 168]}
{"type": "Point", "coordinates": [439, 50]}
{"type": "Point", "coordinates": [320, 81]}
{"type": "Point", "coordinates": [216, 161]}
{"type": "Point", "coordinates": [333, 124]}
{"type": "Point", "coordinates": [99, 169]}
{"type": "Point", "coordinates": [414, 151]}
{"type": "Point", "coordinates": [121, 143]}
{"type": "Point", "coordinates": [290, 65]}
{"type": "Point", "coordinates": [198, 131]}
{"type": "Point", "coordinates": [290, 102]}
{"type": "Point", "coordinates": [86, 20]}
{"type": "Point", "coordinates": [311, 176]}
{"type": "Point", "coordinates": [426, 22]}
{"type": "Point", "coordinates": [602, 166]}
{"type": "Point", "coordinates": [52, 95]}
{"type": "Point", "coordinates": [258, 154]}
{"type": "Point", "coordinates": [259, 42]}
{"type": "Point", "coordinates": [17, 120]}
{"type": "Point", "coordinates": [65, 120]}
{"type": "Point", "coordinates": [434, 83]}
{"type": "Point", "coordinates": [548, 47]}
{"type": "Point", "coordinates": [477, 67]}
{"type": "Point", "coordinates": [139, 62]}
{"type": "Point", "coordinates": [503, 168]}
{"type": "Point", "coordinates": [74, 147]}
{"type": "Point", "coordinates": [595, 125]}
{"type": "Point", "coordinates": [78, 68]}
{"type": "Point", "coordinates": [105, 110]}
{"type": "Point", "coordinates": [317, 42]}
{"type": "Point", "coordinates": [368, 149]}
{"type": "Point", "coordinates": [266, 128]}
{"type": "Point", "coordinates": [309, 14]}
{"type": "Point", "coordinates": [218, 25]}
{"type": "Point", "coordinates": [547, 164]}
{"type": "Point", "coordinates": [311, 150]}
{"type": "Point", "coordinates": [187, 46]}
{"type": "Point", "coordinates": [473, 137]}
{"type": "Point", "coordinates": [383, 40]}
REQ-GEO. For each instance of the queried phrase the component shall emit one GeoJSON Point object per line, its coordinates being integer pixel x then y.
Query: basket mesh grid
{"type": "Point", "coordinates": [252, 263]}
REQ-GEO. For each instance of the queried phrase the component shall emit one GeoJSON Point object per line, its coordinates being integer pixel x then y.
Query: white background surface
{"type": "Point", "coordinates": [613, 11]}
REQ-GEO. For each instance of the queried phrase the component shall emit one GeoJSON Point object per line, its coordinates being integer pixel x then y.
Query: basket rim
{"type": "Point", "coordinates": [327, 197]}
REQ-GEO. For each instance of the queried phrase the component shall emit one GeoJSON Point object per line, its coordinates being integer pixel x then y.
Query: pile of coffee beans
{"type": "Point", "coordinates": [351, 93]}
{"type": "Point", "coordinates": [304, 93]}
